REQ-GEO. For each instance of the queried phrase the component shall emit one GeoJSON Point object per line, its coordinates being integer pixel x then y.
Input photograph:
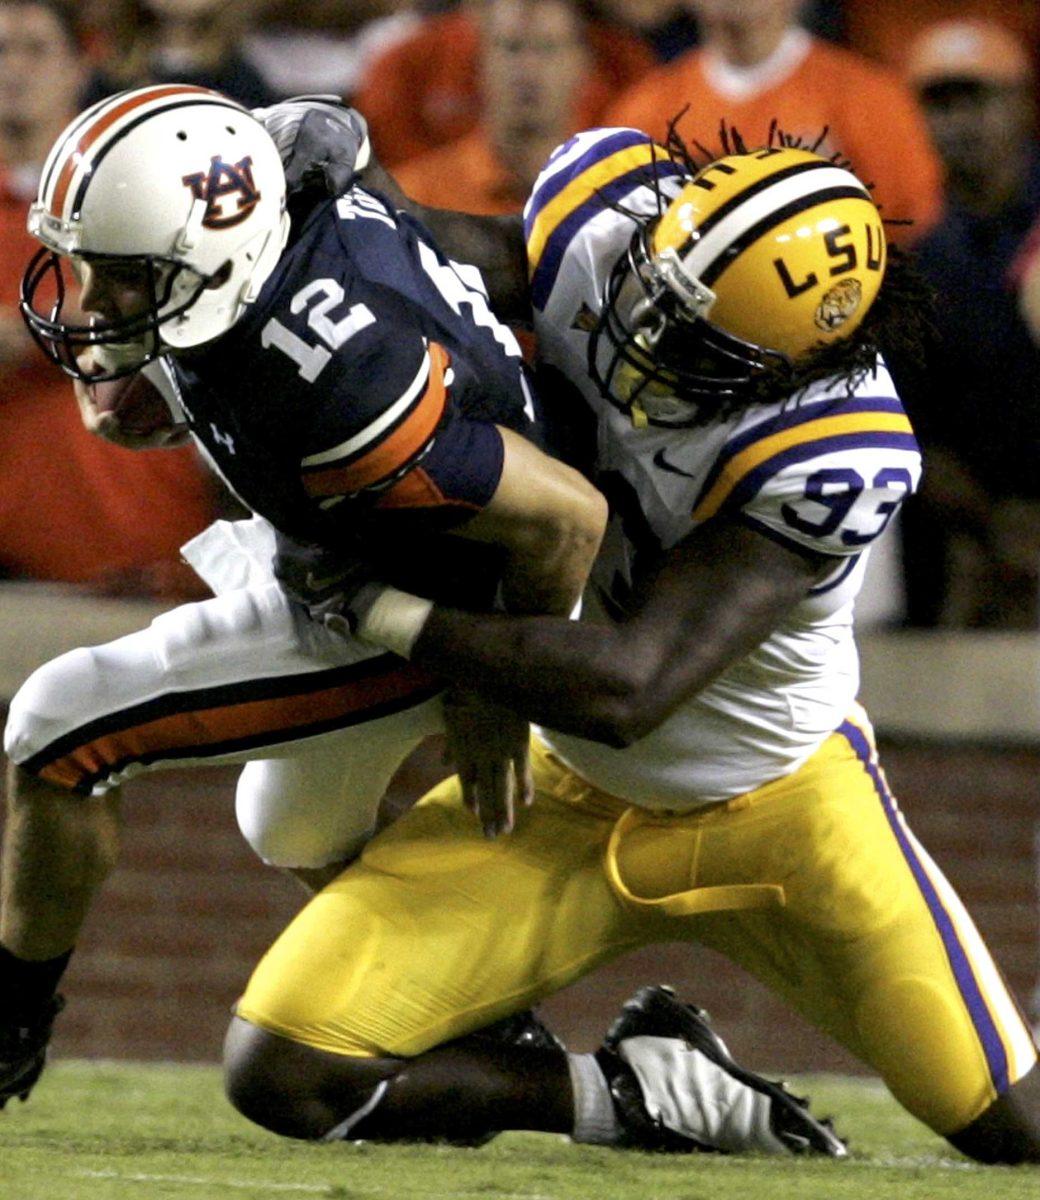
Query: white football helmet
{"type": "Point", "coordinates": [178, 181]}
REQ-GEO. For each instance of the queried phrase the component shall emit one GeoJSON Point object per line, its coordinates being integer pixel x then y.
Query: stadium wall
{"type": "Point", "coordinates": [189, 910]}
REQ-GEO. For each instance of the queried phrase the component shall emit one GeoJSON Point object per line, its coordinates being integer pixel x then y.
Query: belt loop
{"type": "Point", "coordinates": [725, 898]}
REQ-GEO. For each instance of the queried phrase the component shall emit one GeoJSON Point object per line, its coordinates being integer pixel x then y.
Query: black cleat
{"type": "Point", "coordinates": [23, 1051]}
{"type": "Point", "coordinates": [520, 1029]}
{"type": "Point", "coordinates": [654, 1012]}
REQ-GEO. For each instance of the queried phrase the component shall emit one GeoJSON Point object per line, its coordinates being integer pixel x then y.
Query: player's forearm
{"type": "Point", "coordinates": [717, 596]}
{"type": "Point", "coordinates": [548, 572]}
{"type": "Point", "coordinates": [584, 679]}
{"type": "Point", "coordinates": [549, 521]}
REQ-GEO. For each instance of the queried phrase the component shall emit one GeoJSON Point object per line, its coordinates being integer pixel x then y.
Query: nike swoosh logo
{"type": "Point", "coordinates": [665, 465]}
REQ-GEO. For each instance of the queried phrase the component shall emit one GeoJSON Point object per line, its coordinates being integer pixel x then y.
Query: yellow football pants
{"type": "Point", "coordinates": [813, 883]}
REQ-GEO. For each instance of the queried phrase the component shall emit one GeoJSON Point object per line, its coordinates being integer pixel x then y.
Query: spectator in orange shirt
{"type": "Point", "coordinates": [72, 507]}
{"type": "Point", "coordinates": [757, 64]}
{"type": "Point", "coordinates": [535, 61]}
{"type": "Point", "coordinates": [426, 91]}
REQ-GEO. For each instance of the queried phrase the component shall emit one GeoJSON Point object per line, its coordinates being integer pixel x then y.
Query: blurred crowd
{"type": "Point", "coordinates": [932, 101]}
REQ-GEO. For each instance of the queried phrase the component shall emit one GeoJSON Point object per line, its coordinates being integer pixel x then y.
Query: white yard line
{"type": "Point", "coordinates": [310, 1189]}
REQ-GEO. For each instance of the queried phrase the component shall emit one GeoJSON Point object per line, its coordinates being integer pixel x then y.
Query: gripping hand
{"type": "Point", "coordinates": [323, 582]}
{"type": "Point", "coordinates": [488, 745]}
{"type": "Point", "coordinates": [323, 143]}
{"type": "Point", "coordinates": [23, 1050]}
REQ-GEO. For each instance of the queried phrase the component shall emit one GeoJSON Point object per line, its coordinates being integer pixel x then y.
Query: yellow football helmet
{"type": "Point", "coordinates": [761, 259]}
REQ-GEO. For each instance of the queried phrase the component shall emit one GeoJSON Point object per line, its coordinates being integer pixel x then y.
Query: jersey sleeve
{"type": "Point", "coordinates": [826, 479]}
{"type": "Point", "coordinates": [584, 176]}
{"type": "Point", "coordinates": [395, 437]}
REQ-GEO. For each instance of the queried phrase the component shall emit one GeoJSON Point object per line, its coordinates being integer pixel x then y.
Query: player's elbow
{"type": "Point", "coordinates": [620, 726]}
{"type": "Point", "coordinates": [573, 529]}
{"type": "Point", "coordinates": [626, 706]}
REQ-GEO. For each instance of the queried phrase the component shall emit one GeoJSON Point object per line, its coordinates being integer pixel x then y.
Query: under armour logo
{"type": "Point", "coordinates": [218, 185]}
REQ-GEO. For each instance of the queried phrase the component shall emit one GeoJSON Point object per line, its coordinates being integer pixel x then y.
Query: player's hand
{"type": "Point", "coordinates": [322, 581]}
{"type": "Point", "coordinates": [107, 424]}
{"type": "Point", "coordinates": [323, 143]}
{"type": "Point", "coordinates": [23, 1050]}
{"type": "Point", "coordinates": [489, 747]}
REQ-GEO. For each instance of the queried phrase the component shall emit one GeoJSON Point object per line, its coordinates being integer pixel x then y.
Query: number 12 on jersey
{"type": "Point", "coordinates": [319, 298]}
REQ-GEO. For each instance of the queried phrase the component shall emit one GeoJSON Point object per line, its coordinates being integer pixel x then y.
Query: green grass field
{"type": "Point", "coordinates": [110, 1131]}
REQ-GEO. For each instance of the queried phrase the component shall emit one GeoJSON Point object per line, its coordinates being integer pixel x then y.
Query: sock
{"type": "Point", "coordinates": [595, 1121]}
{"type": "Point", "coordinates": [25, 986]}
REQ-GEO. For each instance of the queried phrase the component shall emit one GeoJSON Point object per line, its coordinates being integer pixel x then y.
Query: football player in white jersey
{"type": "Point", "coordinates": [311, 360]}
{"type": "Point", "coordinates": [703, 771]}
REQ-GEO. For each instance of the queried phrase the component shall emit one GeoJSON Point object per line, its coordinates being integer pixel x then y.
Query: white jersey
{"type": "Point", "coordinates": [822, 470]}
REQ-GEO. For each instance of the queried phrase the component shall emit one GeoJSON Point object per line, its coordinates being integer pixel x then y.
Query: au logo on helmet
{"type": "Point", "coordinates": [228, 190]}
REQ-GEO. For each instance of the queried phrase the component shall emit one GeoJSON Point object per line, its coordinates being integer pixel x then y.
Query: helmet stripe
{"type": "Point", "coordinates": [754, 189]}
{"type": "Point", "coordinates": [76, 151]}
{"type": "Point", "coordinates": [754, 232]}
{"type": "Point", "coordinates": [57, 153]}
{"type": "Point", "coordinates": [81, 192]}
{"type": "Point", "coordinates": [760, 208]}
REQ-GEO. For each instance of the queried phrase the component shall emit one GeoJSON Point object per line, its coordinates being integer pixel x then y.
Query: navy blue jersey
{"type": "Point", "coordinates": [358, 396]}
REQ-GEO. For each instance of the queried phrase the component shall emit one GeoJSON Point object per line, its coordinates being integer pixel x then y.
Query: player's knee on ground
{"type": "Point", "coordinates": [292, 1089]}
{"type": "Point", "coordinates": [1009, 1130]}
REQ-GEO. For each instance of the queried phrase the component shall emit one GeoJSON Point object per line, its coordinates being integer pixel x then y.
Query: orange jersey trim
{"type": "Point", "coordinates": [415, 490]}
{"type": "Point", "coordinates": [396, 450]}
{"type": "Point", "coordinates": [224, 728]}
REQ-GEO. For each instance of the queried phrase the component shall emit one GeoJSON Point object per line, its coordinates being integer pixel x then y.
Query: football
{"type": "Point", "coordinates": [137, 404]}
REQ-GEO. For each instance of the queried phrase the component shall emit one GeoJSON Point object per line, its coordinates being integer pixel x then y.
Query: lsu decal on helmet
{"type": "Point", "coordinates": [763, 258]}
{"type": "Point", "coordinates": [175, 192]}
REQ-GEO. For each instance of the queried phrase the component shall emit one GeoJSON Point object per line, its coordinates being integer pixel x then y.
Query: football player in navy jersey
{"type": "Point", "coordinates": [702, 771]}
{"type": "Point", "coordinates": [353, 389]}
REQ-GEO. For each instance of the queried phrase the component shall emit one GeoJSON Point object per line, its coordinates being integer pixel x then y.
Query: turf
{"type": "Point", "coordinates": [110, 1131]}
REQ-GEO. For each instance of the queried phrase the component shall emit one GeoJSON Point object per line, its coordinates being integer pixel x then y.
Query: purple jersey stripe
{"type": "Point", "coordinates": [748, 487]}
{"type": "Point", "coordinates": [596, 152]}
{"type": "Point", "coordinates": [552, 256]}
{"type": "Point", "coordinates": [839, 579]}
{"type": "Point", "coordinates": [992, 1046]}
{"type": "Point", "coordinates": [790, 543]}
{"type": "Point", "coordinates": [796, 416]}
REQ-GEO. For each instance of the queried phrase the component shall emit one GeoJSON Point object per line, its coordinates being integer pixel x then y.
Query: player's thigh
{"type": "Point", "coordinates": [317, 802]}
{"type": "Point", "coordinates": [219, 681]}
{"type": "Point", "coordinates": [872, 945]}
{"type": "Point", "coordinates": [437, 931]}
